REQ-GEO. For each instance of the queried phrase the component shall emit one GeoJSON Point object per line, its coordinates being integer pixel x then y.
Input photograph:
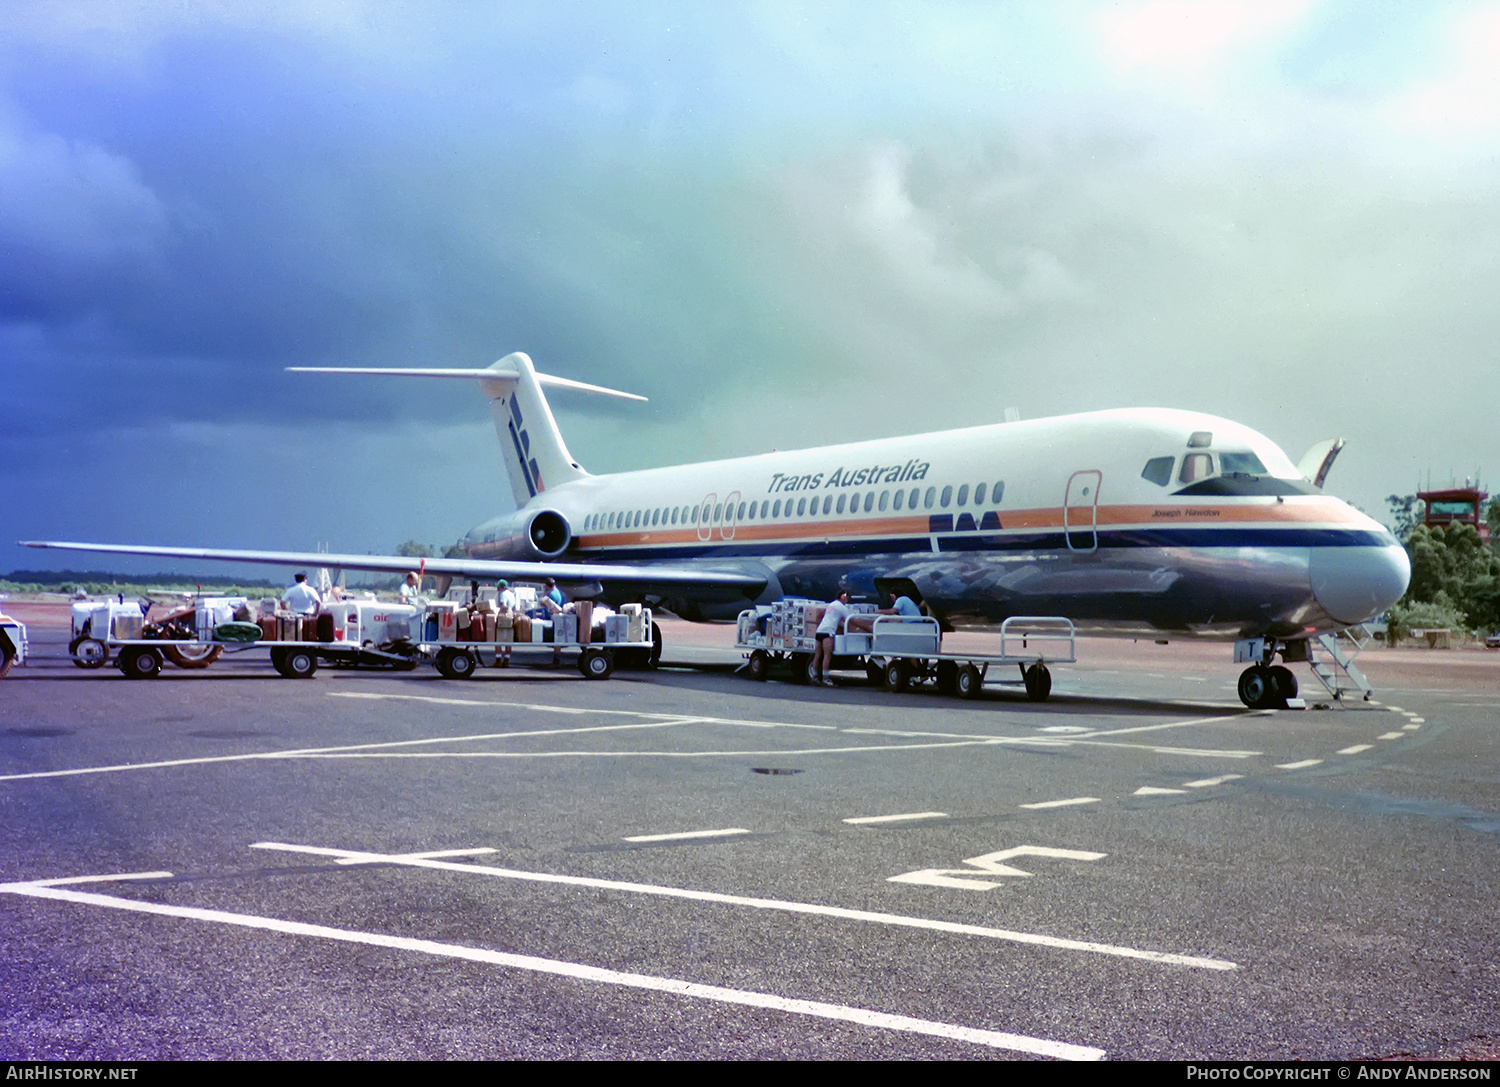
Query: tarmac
{"type": "Point", "coordinates": [688, 864]}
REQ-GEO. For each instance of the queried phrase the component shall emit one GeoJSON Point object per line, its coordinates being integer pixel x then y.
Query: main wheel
{"type": "Point", "coordinates": [299, 663]}
{"type": "Point", "coordinates": [1258, 688]}
{"type": "Point", "coordinates": [967, 682]}
{"type": "Point", "coordinates": [1284, 682]}
{"type": "Point", "coordinates": [802, 667]}
{"type": "Point", "coordinates": [193, 656]}
{"type": "Point", "coordinates": [1038, 682]}
{"type": "Point", "coordinates": [897, 676]}
{"type": "Point", "coordinates": [595, 664]}
{"type": "Point", "coordinates": [758, 667]}
{"type": "Point", "coordinates": [89, 652]}
{"type": "Point", "coordinates": [140, 662]}
{"type": "Point", "coordinates": [947, 678]}
{"type": "Point", "coordinates": [455, 664]}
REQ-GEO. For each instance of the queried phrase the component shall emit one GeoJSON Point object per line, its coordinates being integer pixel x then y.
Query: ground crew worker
{"type": "Point", "coordinates": [302, 598]}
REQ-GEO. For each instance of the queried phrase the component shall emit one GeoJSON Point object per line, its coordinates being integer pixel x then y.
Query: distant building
{"type": "Point", "coordinates": [1455, 504]}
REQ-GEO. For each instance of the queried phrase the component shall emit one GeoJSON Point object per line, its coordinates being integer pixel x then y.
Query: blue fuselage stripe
{"type": "Point", "coordinates": [1028, 541]}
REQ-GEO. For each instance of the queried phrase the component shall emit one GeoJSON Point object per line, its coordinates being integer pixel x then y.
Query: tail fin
{"type": "Point", "coordinates": [536, 457]}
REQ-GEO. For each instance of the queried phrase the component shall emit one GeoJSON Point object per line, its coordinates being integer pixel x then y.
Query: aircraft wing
{"type": "Point", "coordinates": [634, 577]}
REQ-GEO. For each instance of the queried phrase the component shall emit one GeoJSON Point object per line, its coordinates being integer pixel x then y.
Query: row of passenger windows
{"type": "Point", "coordinates": [771, 510]}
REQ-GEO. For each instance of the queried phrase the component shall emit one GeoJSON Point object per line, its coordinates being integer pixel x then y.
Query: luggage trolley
{"type": "Point", "coordinates": [899, 652]}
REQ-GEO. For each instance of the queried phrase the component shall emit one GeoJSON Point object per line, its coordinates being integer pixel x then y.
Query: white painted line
{"type": "Point", "coordinates": [718, 753]}
{"type": "Point", "coordinates": [1204, 783]}
{"type": "Point", "coordinates": [726, 833]}
{"type": "Point", "coordinates": [1355, 750]}
{"type": "Point", "coordinates": [1041, 1047]}
{"type": "Point", "coordinates": [1061, 803]}
{"type": "Point", "coordinates": [1390, 736]}
{"type": "Point", "coordinates": [440, 853]}
{"type": "Point", "coordinates": [1070, 741]}
{"type": "Point", "coordinates": [541, 707]}
{"type": "Point", "coordinates": [114, 878]}
{"type": "Point", "coordinates": [1156, 790]}
{"type": "Point", "coordinates": [1298, 765]}
{"type": "Point", "coordinates": [1393, 709]}
{"type": "Point", "coordinates": [898, 818]}
{"type": "Point", "coordinates": [1414, 719]}
{"type": "Point", "coordinates": [899, 920]}
{"type": "Point", "coordinates": [1410, 728]}
{"type": "Point", "coordinates": [366, 750]}
{"type": "Point", "coordinates": [1170, 724]}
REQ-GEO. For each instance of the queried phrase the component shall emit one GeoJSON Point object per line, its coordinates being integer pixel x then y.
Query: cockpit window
{"type": "Point", "coordinates": [1158, 470]}
{"type": "Point", "coordinates": [1196, 466]}
{"type": "Point", "coordinates": [1247, 464]}
{"type": "Point", "coordinates": [1200, 439]}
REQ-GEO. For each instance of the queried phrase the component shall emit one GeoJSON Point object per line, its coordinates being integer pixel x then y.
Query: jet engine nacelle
{"type": "Point", "coordinates": [526, 536]}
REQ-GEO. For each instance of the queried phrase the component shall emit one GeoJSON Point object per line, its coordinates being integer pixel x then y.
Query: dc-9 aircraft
{"type": "Point", "coordinates": [1151, 523]}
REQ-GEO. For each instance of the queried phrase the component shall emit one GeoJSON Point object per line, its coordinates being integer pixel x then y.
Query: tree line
{"type": "Point", "coordinates": [1455, 574]}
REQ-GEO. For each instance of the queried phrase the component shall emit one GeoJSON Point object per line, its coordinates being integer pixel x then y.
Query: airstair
{"type": "Point", "coordinates": [1331, 657]}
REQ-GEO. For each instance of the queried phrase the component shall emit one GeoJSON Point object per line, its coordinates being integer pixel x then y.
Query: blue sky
{"type": "Point", "coordinates": [784, 223]}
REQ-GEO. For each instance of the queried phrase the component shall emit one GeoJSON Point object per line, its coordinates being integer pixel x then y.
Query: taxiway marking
{"type": "Point", "coordinates": [897, 818]}
{"type": "Point", "coordinates": [728, 832]}
{"type": "Point", "coordinates": [1043, 1047]}
{"type": "Point", "coordinates": [1203, 783]}
{"type": "Point", "coordinates": [352, 856]}
{"type": "Point", "coordinates": [1298, 765]}
{"type": "Point", "coordinates": [1353, 750]}
{"type": "Point", "coordinates": [1041, 804]}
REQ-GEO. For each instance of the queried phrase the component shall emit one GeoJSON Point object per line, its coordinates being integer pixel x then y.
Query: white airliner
{"type": "Point", "coordinates": [1138, 522]}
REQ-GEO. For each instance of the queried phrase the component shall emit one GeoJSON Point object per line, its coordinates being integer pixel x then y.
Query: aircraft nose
{"type": "Point", "coordinates": [1354, 584]}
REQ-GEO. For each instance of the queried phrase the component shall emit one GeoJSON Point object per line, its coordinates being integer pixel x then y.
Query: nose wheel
{"type": "Point", "coordinates": [1263, 688]}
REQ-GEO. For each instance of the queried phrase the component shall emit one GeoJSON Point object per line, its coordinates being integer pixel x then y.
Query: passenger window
{"type": "Point", "coordinates": [930, 498]}
{"type": "Point", "coordinates": [801, 506]}
{"type": "Point", "coordinates": [696, 510]}
{"type": "Point", "coordinates": [897, 499]}
{"type": "Point", "coordinates": [885, 500]}
{"type": "Point", "coordinates": [947, 496]}
{"type": "Point", "coordinates": [741, 515]}
{"type": "Point", "coordinates": [999, 495]}
{"type": "Point", "coordinates": [979, 494]}
{"type": "Point", "coordinates": [1158, 470]}
{"type": "Point", "coordinates": [1196, 466]}
{"type": "Point", "coordinates": [912, 499]}
{"type": "Point", "coordinates": [843, 501]}
{"type": "Point", "coordinates": [869, 501]}
{"type": "Point", "coordinates": [963, 495]}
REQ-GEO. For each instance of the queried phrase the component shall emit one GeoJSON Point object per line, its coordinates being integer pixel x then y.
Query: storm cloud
{"type": "Point", "coordinates": [785, 224]}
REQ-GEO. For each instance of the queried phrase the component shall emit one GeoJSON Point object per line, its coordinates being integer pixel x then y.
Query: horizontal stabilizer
{"type": "Point", "coordinates": [489, 374]}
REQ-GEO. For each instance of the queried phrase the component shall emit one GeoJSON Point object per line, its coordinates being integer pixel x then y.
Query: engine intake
{"type": "Point", "coordinates": [525, 536]}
